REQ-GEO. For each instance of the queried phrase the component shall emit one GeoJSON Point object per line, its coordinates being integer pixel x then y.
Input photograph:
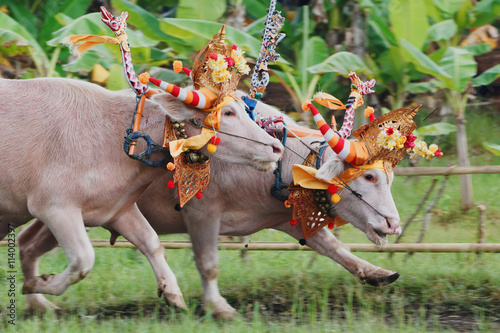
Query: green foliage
{"type": "Point", "coordinates": [492, 148]}
{"type": "Point", "coordinates": [487, 76]}
{"type": "Point", "coordinates": [341, 63]}
{"type": "Point", "coordinates": [436, 129]}
{"type": "Point", "coordinates": [442, 31]}
{"type": "Point", "coordinates": [201, 10]}
{"type": "Point", "coordinates": [409, 21]}
{"type": "Point", "coordinates": [195, 31]}
{"type": "Point", "coordinates": [11, 30]}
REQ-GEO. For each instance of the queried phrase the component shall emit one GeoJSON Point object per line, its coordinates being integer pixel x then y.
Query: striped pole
{"type": "Point", "coordinates": [195, 98]}
{"type": "Point", "coordinates": [342, 147]}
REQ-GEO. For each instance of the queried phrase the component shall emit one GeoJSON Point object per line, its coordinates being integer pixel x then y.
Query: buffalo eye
{"type": "Point", "coordinates": [228, 113]}
{"type": "Point", "coordinates": [369, 177]}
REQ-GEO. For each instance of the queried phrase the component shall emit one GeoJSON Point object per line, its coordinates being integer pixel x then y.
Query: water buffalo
{"type": "Point", "coordinates": [63, 163]}
{"type": "Point", "coordinates": [238, 202]}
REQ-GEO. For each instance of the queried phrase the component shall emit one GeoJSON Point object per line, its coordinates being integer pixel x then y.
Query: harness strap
{"type": "Point", "coordinates": [278, 182]}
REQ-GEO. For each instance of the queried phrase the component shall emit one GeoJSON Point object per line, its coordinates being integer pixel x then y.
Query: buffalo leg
{"type": "Point", "coordinates": [325, 243]}
{"type": "Point", "coordinates": [69, 231]}
{"type": "Point", "coordinates": [34, 241]}
{"type": "Point", "coordinates": [204, 237]}
{"type": "Point", "coordinates": [135, 228]}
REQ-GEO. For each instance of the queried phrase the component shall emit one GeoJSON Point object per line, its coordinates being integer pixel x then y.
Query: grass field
{"type": "Point", "coordinates": [279, 291]}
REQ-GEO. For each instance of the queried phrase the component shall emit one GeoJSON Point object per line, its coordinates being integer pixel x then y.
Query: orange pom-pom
{"type": "Point", "coordinates": [170, 166]}
{"type": "Point", "coordinates": [287, 204]}
{"type": "Point", "coordinates": [177, 66]}
{"type": "Point", "coordinates": [293, 222]}
{"type": "Point", "coordinates": [198, 195]}
{"type": "Point", "coordinates": [335, 198]}
{"type": "Point", "coordinates": [144, 78]}
{"type": "Point", "coordinates": [211, 148]}
{"type": "Point", "coordinates": [170, 184]}
{"type": "Point", "coordinates": [305, 106]}
{"type": "Point", "coordinates": [369, 111]}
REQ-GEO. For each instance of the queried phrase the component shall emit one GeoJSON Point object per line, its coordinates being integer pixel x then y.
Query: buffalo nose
{"type": "Point", "coordinates": [277, 148]}
{"type": "Point", "coordinates": [393, 226]}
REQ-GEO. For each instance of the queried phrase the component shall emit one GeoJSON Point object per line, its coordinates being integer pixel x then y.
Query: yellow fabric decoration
{"type": "Point", "coordinates": [93, 40]}
{"type": "Point", "coordinates": [196, 142]}
{"type": "Point", "coordinates": [335, 198]}
{"type": "Point", "coordinates": [305, 176]}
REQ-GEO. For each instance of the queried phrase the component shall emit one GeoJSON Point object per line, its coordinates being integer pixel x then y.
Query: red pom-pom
{"type": "Point", "coordinates": [235, 47]}
{"type": "Point", "coordinates": [389, 131]}
{"type": "Point", "coordinates": [213, 55]}
{"type": "Point", "coordinates": [332, 189]}
{"type": "Point", "coordinates": [371, 117]}
{"type": "Point", "coordinates": [293, 222]}
{"type": "Point", "coordinates": [198, 195]}
{"type": "Point", "coordinates": [170, 184]}
{"type": "Point", "coordinates": [331, 225]}
{"type": "Point", "coordinates": [215, 140]}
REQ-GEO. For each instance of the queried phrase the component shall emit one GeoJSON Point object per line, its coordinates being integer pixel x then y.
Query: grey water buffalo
{"type": "Point", "coordinates": [63, 163]}
{"type": "Point", "coordinates": [238, 202]}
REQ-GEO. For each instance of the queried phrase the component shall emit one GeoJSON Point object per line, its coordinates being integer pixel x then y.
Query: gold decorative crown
{"type": "Point", "coordinates": [401, 120]}
{"type": "Point", "coordinates": [219, 66]}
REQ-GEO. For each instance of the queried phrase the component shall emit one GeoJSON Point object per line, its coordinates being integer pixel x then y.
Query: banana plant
{"type": "Point", "coordinates": [453, 67]}
{"type": "Point", "coordinates": [29, 25]}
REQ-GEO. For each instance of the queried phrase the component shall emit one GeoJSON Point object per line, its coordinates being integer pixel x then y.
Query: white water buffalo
{"type": "Point", "coordinates": [63, 163]}
{"type": "Point", "coordinates": [238, 202]}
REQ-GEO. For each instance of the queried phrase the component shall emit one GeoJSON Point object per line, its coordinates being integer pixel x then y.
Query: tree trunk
{"type": "Point", "coordinates": [463, 160]}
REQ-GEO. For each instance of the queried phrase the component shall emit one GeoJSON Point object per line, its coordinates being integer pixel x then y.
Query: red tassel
{"type": "Point", "coordinates": [170, 184]}
{"type": "Point", "coordinates": [198, 195]}
{"type": "Point", "coordinates": [293, 222]}
{"type": "Point", "coordinates": [331, 225]}
{"type": "Point", "coordinates": [372, 117]}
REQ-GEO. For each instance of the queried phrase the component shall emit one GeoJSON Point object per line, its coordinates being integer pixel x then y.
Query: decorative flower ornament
{"type": "Point", "coordinates": [391, 139]}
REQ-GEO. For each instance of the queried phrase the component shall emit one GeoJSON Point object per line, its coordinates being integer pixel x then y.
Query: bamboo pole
{"type": "Point", "coordinates": [427, 212]}
{"type": "Point", "coordinates": [288, 246]}
{"type": "Point", "coordinates": [447, 171]}
{"type": "Point", "coordinates": [137, 123]}
{"type": "Point", "coordinates": [481, 233]}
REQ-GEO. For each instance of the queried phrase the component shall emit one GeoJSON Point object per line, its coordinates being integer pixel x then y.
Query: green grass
{"type": "Point", "coordinates": [277, 291]}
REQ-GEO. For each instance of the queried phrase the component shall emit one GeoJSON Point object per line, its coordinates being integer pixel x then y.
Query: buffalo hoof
{"type": "Point", "coordinates": [175, 300]}
{"type": "Point", "coordinates": [383, 280]}
{"type": "Point", "coordinates": [220, 309]}
{"type": "Point", "coordinates": [29, 286]}
{"type": "Point", "coordinates": [224, 315]}
{"type": "Point", "coordinates": [38, 303]}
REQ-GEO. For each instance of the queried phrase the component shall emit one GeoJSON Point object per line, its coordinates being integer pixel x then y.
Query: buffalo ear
{"type": "Point", "coordinates": [330, 169]}
{"type": "Point", "coordinates": [176, 109]}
